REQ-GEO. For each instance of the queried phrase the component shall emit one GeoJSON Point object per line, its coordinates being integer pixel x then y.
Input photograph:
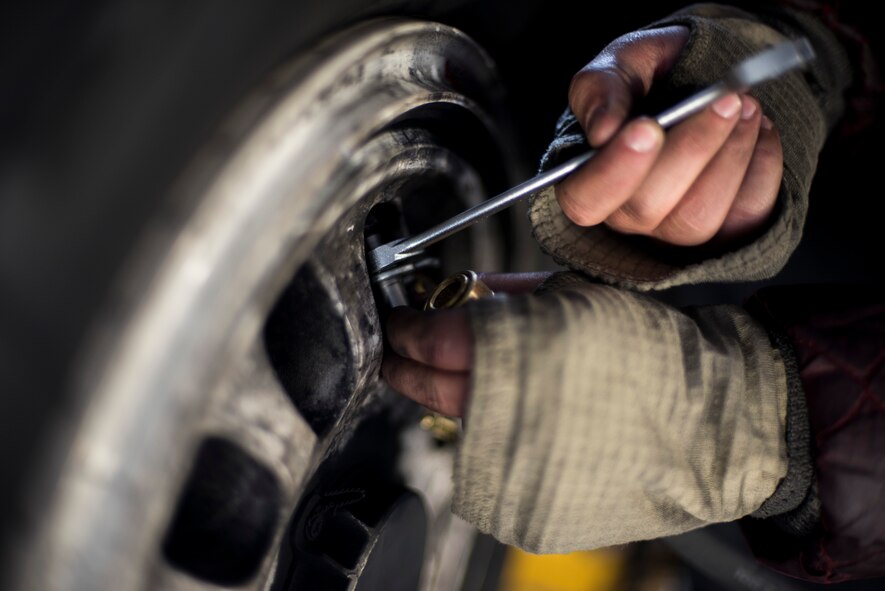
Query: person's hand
{"type": "Point", "coordinates": [716, 175]}
{"type": "Point", "coordinates": [431, 358]}
{"type": "Point", "coordinates": [431, 353]}
{"type": "Point", "coordinates": [621, 417]}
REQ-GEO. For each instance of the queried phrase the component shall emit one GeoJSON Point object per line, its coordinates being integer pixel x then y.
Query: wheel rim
{"type": "Point", "coordinates": [377, 112]}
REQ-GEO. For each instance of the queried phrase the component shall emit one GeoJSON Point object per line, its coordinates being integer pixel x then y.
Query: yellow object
{"type": "Point", "coordinates": [443, 428]}
{"type": "Point", "coordinates": [599, 570]}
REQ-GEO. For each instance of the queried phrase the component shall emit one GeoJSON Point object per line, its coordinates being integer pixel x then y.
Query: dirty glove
{"type": "Point", "coordinates": [802, 106]}
{"type": "Point", "coordinates": [598, 416]}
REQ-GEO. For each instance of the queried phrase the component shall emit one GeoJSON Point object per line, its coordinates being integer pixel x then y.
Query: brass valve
{"type": "Point", "coordinates": [456, 290]}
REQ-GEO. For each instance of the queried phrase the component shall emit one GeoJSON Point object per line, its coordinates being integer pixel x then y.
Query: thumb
{"type": "Point", "coordinates": [601, 95]}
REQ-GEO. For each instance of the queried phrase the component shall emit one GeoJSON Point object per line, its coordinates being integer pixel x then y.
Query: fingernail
{"type": "Point", "coordinates": [748, 108]}
{"type": "Point", "coordinates": [767, 124]}
{"type": "Point", "coordinates": [728, 106]}
{"type": "Point", "coordinates": [642, 136]}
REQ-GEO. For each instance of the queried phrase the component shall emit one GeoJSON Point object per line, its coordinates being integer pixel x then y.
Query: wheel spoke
{"type": "Point", "coordinates": [247, 476]}
{"type": "Point", "coordinates": [254, 411]}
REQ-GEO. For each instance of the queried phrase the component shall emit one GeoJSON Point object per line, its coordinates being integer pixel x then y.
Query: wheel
{"type": "Point", "coordinates": [229, 428]}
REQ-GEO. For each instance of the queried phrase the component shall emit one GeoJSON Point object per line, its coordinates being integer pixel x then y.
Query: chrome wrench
{"type": "Point", "coordinates": [765, 65]}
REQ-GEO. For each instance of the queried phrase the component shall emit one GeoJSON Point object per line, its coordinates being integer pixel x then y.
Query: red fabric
{"type": "Point", "coordinates": [839, 338]}
{"type": "Point", "coordinates": [855, 25]}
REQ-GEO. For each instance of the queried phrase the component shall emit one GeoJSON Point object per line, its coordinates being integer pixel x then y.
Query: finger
{"type": "Point", "coordinates": [702, 211]}
{"type": "Point", "coordinates": [757, 195]}
{"type": "Point", "coordinates": [690, 146]}
{"type": "Point", "coordinates": [592, 193]}
{"type": "Point", "coordinates": [601, 99]}
{"type": "Point", "coordinates": [442, 339]}
{"type": "Point", "coordinates": [514, 283]}
{"type": "Point", "coordinates": [443, 391]}
{"type": "Point", "coordinates": [601, 94]}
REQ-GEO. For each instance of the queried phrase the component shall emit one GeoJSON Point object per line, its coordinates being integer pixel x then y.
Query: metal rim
{"type": "Point", "coordinates": [286, 185]}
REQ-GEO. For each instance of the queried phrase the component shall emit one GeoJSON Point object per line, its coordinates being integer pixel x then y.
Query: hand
{"type": "Point", "coordinates": [432, 352]}
{"type": "Point", "coordinates": [431, 358]}
{"type": "Point", "coordinates": [716, 175]}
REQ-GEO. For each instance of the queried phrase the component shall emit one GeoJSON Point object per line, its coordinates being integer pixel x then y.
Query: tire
{"type": "Point", "coordinates": [198, 373]}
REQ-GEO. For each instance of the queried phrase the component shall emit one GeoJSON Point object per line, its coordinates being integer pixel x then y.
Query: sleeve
{"type": "Point", "coordinates": [662, 422]}
{"type": "Point", "coordinates": [804, 106]}
{"type": "Point", "coordinates": [669, 420]}
{"type": "Point", "coordinates": [833, 530]}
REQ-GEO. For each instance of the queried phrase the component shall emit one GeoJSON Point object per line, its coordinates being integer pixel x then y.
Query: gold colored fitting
{"type": "Point", "coordinates": [456, 290]}
{"type": "Point", "coordinates": [444, 429]}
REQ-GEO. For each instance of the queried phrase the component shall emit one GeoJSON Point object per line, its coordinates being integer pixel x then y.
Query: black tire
{"type": "Point", "coordinates": [103, 103]}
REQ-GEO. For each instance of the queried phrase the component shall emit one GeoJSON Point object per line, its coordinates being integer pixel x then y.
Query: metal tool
{"type": "Point", "coordinates": [766, 65]}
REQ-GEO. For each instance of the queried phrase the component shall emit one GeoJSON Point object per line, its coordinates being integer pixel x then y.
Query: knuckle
{"type": "Point", "coordinates": [753, 208]}
{"type": "Point", "coordinates": [576, 214]}
{"type": "Point", "coordinates": [637, 217]}
{"type": "Point", "coordinates": [687, 228]}
{"type": "Point", "coordinates": [620, 222]}
{"type": "Point", "coordinates": [575, 208]}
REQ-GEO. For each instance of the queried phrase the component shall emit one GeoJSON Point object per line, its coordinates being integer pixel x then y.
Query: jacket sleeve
{"type": "Point", "coordinates": [600, 416]}
{"type": "Point", "coordinates": [804, 106]}
{"type": "Point", "coordinates": [835, 530]}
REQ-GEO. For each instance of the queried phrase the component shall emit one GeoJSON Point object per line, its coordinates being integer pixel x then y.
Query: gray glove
{"type": "Point", "coordinates": [599, 416]}
{"type": "Point", "coordinates": [803, 106]}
